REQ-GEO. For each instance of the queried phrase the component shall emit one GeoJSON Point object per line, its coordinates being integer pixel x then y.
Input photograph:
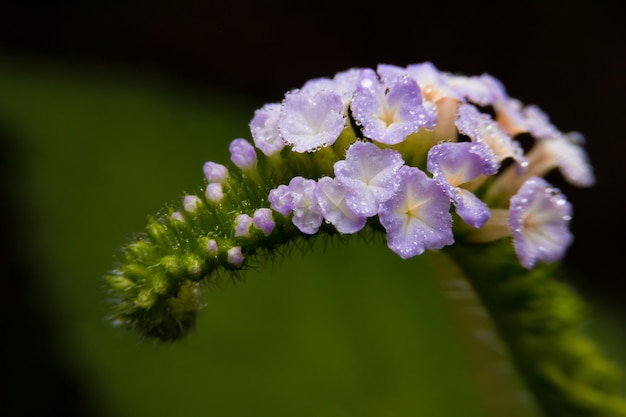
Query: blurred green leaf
{"type": "Point", "coordinates": [340, 330]}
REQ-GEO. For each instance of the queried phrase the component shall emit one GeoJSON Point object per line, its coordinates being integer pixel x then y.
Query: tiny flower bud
{"type": "Point", "coordinates": [264, 129]}
{"type": "Point", "coordinates": [193, 264]}
{"type": "Point", "coordinates": [243, 154]}
{"type": "Point", "coordinates": [215, 172]}
{"type": "Point", "coordinates": [235, 257]}
{"type": "Point", "coordinates": [263, 220]}
{"type": "Point", "coordinates": [177, 216]}
{"type": "Point", "coordinates": [171, 264]}
{"type": "Point", "coordinates": [242, 226]}
{"type": "Point", "coordinates": [281, 200]}
{"type": "Point", "coordinates": [211, 246]}
{"type": "Point", "coordinates": [191, 203]}
{"type": "Point", "coordinates": [214, 192]}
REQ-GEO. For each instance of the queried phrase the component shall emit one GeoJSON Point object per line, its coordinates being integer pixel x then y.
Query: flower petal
{"type": "Point", "coordinates": [539, 221]}
{"type": "Point", "coordinates": [417, 217]}
{"type": "Point", "coordinates": [369, 176]}
{"type": "Point", "coordinates": [310, 121]}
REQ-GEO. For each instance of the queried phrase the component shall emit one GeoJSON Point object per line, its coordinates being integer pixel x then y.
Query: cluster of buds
{"type": "Point", "coordinates": [427, 157]}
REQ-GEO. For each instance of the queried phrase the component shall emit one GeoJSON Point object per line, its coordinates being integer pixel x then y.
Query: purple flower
{"type": "Point", "coordinates": [330, 197]}
{"type": "Point", "coordinates": [264, 129]}
{"type": "Point", "coordinates": [566, 153]}
{"type": "Point", "coordinates": [343, 83]}
{"type": "Point", "coordinates": [242, 225]}
{"type": "Point", "coordinates": [368, 175]}
{"type": "Point", "coordinates": [191, 203]}
{"type": "Point", "coordinates": [539, 217]}
{"type": "Point", "coordinates": [486, 90]}
{"type": "Point", "coordinates": [483, 90]}
{"type": "Point", "coordinates": [177, 216]}
{"type": "Point", "coordinates": [307, 216]}
{"type": "Point", "coordinates": [388, 73]}
{"type": "Point", "coordinates": [538, 124]}
{"type": "Point", "coordinates": [214, 192]}
{"type": "Point", "coordinates": [211, 246]}
{"type": "Point", "coordinates": [455, 163]}
{"type": "Point", "coordinates": [215, 172]}
{"type": "Point", "coordinates": [262, 220]}
{"type": "Point", "coordinates": [432, 82]}
{"type": "Point", "coordinates": [555, 149]}
{"type": "Point", "coordinates": [234, 256]}
{"type": "Point", "coordinates": [242, 154]}
{"type": "Point", "coordinates": [388, 114]}
{"type": "Point", "coordinates": [481, 128]}
{"type": "Point", "coordinates": [309, 121]}
{"type": "Point", "coordinates": [417, 217]}
{"type": "Point", "coordinates": [280, 200]}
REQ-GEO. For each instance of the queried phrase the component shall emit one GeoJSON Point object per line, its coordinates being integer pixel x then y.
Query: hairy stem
{"type": "Point", "coordinates": [503, 391]}
{"type": "Point", "coordinates": [542, 322]}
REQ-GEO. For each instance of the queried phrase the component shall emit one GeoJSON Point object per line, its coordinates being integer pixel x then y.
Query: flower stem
{"type": "Point", "coordinates": [502, 388]}
{"type": "Point", "coordinates": [541, 320]}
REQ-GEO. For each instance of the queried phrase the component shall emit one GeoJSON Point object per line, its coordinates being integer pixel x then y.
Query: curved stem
{"type": "Point", "coordinates": [542, 322]}
{"type": "Point", "coordinates": [503, 391]}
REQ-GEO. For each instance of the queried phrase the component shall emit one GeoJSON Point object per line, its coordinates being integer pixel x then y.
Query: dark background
{"type": "Point", "coordinates": [565, 56]}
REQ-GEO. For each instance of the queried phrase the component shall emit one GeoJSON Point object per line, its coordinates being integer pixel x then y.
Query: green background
{"type": "Point", "coordinates": [336, 330]}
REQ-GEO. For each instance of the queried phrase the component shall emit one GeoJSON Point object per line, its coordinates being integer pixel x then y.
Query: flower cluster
{"type": "Point", "coordinates": [426, 157]}
{"type": "Point", "coordinates": [422, 141]}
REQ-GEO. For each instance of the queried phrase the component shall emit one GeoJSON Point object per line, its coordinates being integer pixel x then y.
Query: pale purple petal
{"type": "Point", "coordinates": [459, 162]}
{"type": "Point", "coordinates": [481, 128]}
{"type": "Point", "coordinates": [214, 192]}
{"type": "Point", "coordinates": [562, 151]}
{"type": "Point", "coordinates": [177, 216]}
{"type": "Point", "coordinates": [470, 208]}
{"type": "Point", "coordinates": [263, 220]}
{"type": "Point", "coordinates": [264, 129]}
{"type": "Point", "coordinates": [558, 150]}
{"type": "Point", "coordinates": [571, 158]}
{"type": "Point", "coordinates": [417, 217]}
{"type": "Point", "coordinates": [215, 172]}
{"type": "Point", "coordinates": [242, 225]}
{"type": "Point", "coordinates": [538, 124]}
{"type": "Point", "coordinates": [388, 72]}
{"type": "Point", "coordinates": [235, 256]}
{"type": "Point", "coordinates": [330, 196]}
{"type": "Point", "coordinates": [483, 90]}
{"type": "Point", "coordinates": [280, 200]}
{"type": "Point", "coordinates": [191, 203]}
{"type": "Point", "coordinates": [311, 121]}
{"type": "Point", "coordinates": [509, 114]}
{"type": "Point", "coordinates": [242, 154]}
{"type": "Point", "coordinates": [388, 114]}
{"type": "Point", "coordinates": [432, 82]}
{"type": "Point", "coordinates": [343, 83]}
{"type": "Point", "coordinates": [369, 176]}
{"type": "Point", "coordinates": [306, 214]}
{"type": "Point", "coordinates": [539, 220]}
{"type": "Point", "coordinates": [211, 246]}
{"type": "Point", "coordinates": [455, 163]}
{"type": "Point", "coordinates": [495, 86]}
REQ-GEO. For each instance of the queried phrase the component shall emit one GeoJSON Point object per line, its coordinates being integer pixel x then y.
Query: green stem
{"type": "Point", "coordinates": [542, 322]}
{"type": "Point", "coordinates": [160, 276]}
{"type": "Point", "coordinates": [503, 391]}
